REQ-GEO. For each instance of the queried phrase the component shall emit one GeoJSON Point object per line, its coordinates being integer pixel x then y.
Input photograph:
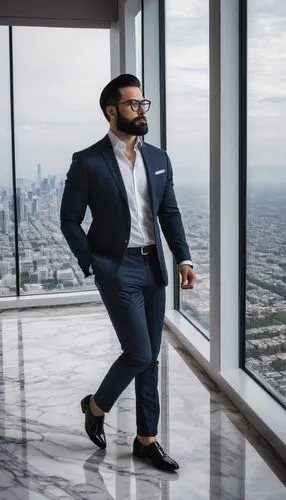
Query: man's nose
{"type": "Point", "coordinates": [141, 110]}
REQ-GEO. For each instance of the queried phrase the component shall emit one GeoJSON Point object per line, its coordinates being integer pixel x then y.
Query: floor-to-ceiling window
{"type": "Point", "coordinates": [57, 84]}
{"type": "Point", "coordinates": [7, 229]}
{"type": "Point", "coordinates": [266, 196]}
{"type": "Point", "coordinates": [187, 105]}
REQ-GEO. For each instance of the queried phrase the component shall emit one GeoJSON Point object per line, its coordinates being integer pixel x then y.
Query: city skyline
{"type": "Point", "coordinates": [256, 176]}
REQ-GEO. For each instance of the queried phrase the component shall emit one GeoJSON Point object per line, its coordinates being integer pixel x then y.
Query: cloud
{"type": "Point", "coordinates": [187, 87]}
{"type": "Point", "coordinates": [58, 76]}
{"type": "Point", "coordinates": [27, 128]}
{"type": "Point", "coordinates": [188, 81]}
{"type": "Point", "coordinates": [266, 82]}
{"type": "Point", "coordinates": [274, 99]}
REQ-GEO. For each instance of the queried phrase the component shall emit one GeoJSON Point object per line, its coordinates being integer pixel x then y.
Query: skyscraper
{"type": "Point", "coordinates": [39, 175]}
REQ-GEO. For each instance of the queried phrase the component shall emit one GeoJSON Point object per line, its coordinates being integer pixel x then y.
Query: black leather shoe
{"type": "Point", "coordinates": [93, 424]}
{"type": "Point", "coordinates": [155, 454]}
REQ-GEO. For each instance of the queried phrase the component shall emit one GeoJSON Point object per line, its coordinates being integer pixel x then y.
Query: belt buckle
{"type": "Point", "coordinates": [142, 251]}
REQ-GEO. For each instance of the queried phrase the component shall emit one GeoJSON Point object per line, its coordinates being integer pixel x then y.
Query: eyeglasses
{"type": "Point", "coordinates": [135, 104]}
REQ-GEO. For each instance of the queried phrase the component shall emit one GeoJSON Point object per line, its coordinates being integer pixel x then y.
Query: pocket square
{"type": "Point", "coordinates": [159, 172]}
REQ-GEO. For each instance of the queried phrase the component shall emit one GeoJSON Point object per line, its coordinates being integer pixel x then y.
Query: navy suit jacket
{"type": "Point", "coordinates": [94, 180]}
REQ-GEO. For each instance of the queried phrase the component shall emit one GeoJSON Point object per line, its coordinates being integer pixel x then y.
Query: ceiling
{"type": "Point", "coordinates": [89, 13]}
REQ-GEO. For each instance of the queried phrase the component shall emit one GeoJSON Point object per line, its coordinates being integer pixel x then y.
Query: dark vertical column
{"type": "Point", "coordinates": [142, 47]}
{"type": "Point", "coordinates": [242, 172]}
{"type": "Point", "coordinates": [214, 180]}
{"type": "Point", "coordinates": [162, 73]}
{"type": "Point", "coordinates": [17, 267]}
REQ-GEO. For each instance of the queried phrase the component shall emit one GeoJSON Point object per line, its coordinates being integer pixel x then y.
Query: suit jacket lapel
{"type": "Point", "coordinates": [150, 169]}
{"type": "Point", "coordinates": [109, 156]}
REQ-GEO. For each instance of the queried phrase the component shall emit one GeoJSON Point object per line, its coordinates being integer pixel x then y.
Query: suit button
{"type": "Point", "coordinates": [125, 241]}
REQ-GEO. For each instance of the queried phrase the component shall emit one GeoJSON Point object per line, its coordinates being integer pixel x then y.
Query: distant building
{"type": "Point", "coordinates": [9, 280]}
{"type": "Point", "coordinates": [27, 266]}
{"type": "Point", "coordinates": [32, 288]}
{"type": "Point", "coordinates": [4, 221]}
{"type": "Point", "coordinates": [5, 267]}
{"type": "Point", "coordinates": [65, 275]}
{"type": "Point", "coordinates": [41, 261]}
{"type": "Point", "coordinates": [39, 175]}
{"type": "Point", "coordinates": [45, 186]}
{"type": "Point", "coordinates": [20, 199]}
{"type": "Point", "coordinates": [35, 207]}
{"type": "Point", "coordinates": [43, 273]}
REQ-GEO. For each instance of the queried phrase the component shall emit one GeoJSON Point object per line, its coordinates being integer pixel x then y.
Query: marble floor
{"type": "Point", "coordinates": [50, 358]}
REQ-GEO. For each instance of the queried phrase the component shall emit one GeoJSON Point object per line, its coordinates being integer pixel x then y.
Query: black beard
{"type": "Point", "coordinates": [131, 127]}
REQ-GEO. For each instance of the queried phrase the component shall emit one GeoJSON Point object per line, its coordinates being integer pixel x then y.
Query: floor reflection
{"type": "Point", "coordinates": [227, 464]}
{"type": "Point", "coordinates": [239, 456]}
{"type": "Point", "coordinates": [44, 452]}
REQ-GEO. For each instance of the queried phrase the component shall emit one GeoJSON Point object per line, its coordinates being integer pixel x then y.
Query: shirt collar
{"type": "Point", "coordinates": [120, 145]}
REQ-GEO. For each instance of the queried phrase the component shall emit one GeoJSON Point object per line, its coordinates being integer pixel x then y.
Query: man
{"type": "Point", "coordinates": [128, 187]}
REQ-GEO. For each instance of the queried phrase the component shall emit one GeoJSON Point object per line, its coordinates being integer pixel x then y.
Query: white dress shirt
{"type": "Point", "coordinates": [135, 181]}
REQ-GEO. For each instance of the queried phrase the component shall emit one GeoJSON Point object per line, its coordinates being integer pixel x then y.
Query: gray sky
{"type": "Point", "coordinates": [267, 87]}
{"type": "Point", "coordinates": [187, 86]}
{"type": "Point", "coordinates": [59, 74]}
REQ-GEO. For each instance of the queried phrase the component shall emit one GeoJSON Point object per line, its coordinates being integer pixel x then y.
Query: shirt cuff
{"type": "Point", "coordinates": [186, 262]}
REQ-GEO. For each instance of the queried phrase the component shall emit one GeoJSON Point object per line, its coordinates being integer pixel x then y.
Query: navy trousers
{"type": "Point", "coordinates": [135, 302]}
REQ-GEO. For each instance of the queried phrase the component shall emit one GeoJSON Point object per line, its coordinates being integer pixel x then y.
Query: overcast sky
{"type": "Point", "coordinates": [59, 74]}
{"type": "Point", "coordinates": [187, 87]}
{"type": "Point", "coordinates": [267, 87]}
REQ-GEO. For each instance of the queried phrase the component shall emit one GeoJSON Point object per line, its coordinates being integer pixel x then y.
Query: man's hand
{"type": "Point", "coordinates": [189, 277]}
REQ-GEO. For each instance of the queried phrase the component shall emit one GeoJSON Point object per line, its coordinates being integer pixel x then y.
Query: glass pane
{"type": "Point", "coordinates": [266, 200]}
{"type": "Point", "coordinates": [57, 88]}
{"type": "Point", "coordinates": [7, 239]}
{"type": "Point", "coordinates": [187, 82]}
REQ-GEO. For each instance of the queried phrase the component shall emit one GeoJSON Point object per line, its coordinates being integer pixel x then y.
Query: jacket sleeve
{"type": "Point", "coordinates": [73, 208]}
{"type": "Point", "coordinates": [171, 221]}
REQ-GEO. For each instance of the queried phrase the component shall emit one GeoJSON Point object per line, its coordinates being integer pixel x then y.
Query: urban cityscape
{"type": "Point", "coordinates": [47, 265]}
{"type": "Point", "coordinates": [265, 277]}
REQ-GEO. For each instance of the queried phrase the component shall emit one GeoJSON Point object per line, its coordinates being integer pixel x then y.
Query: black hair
{"type": "Point", "coordinates": [111, 93]}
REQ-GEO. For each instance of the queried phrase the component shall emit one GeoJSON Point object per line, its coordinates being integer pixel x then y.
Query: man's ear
{"type": "Point", "coordinates": [111, 111]}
